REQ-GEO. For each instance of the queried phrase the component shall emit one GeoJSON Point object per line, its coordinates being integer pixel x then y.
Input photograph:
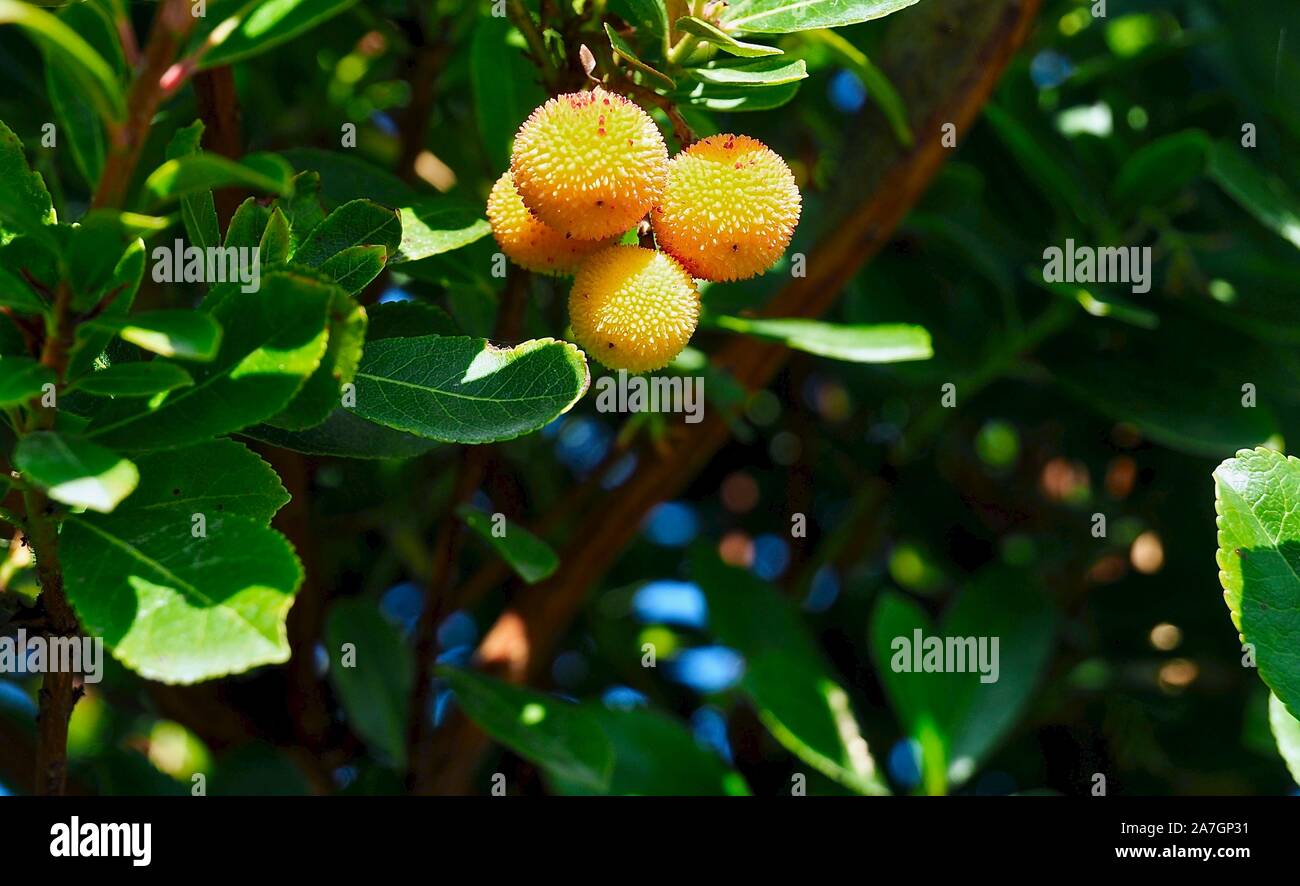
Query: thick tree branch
{"type": "Point", "coordinates": [948, 58]}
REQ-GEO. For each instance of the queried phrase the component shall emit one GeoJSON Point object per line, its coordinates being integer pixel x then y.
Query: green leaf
{"type": "Point", "coordinates": [1266, 198]}
{"type": "Point", "coordinates": [75, 471]}
{"type": "Point", "coordinates": [711, 33]}
{"type": "Point", "coordinates": [966, 715]}
{"type": "Point", "coordinates": [276, 240]}
{"type": "Point", "coordinates": [272, 340]}
{"type": "Point", "coordinates": [21, 379]}
{"type": "Point", "coordinates": [353, 268]}
{"type": "Point", "coordinates": [95, 247]}
{"type": "Point", "coordinates": [563, 738]}
{"type": "Point", "coordinates": [248, 224]}
{"type": "Point", "coordinates": [649, 17]}
{"type": "Point", "coordinates": [344, 177]}
{"type": "Point", "coordinates": [187, 334]}
{"type": "Point", "coordinates": [531, 558]}
{"type": "Point", "coordinates": [464, 390]}
{"type": "Point", "coordinates": [73, 108]}
{"type": "Point", "coordinates": [186, 582]}
{"type": "Point", "coordinates": [25, 205]}
{"type": "Point", "coordinates": [134, 380]}
{"type": "Point", "coordinates": [1286, 730]}
{"type": "Point", "coordinates": [259, 27]}
{"type": "Point", "coordinates": [795, 692]}
{"type": "Point", "coordinates": [734, 98]}
{"type": "Point", "coordinates": [867, 343]}
{"type": "Point", "coordinates": [196, 173]}
{"type": "Point", "coordinates": [345, 435]}
{"type": "Point", "coordinates": [505, 87]}
{"type": "Point", "coordinates": [1259, 561]}
{"type": "Point", "coordinates": [198, 211]}
{"type": "Point", "coordinates": [786, 16]}
{"type": "Point", "coordinates": [303, 209]}
{"type": "Point", "coordinates": [80, 61]}
{"type": "Point", "coordinates": [408, 319]}
{"type": "Point", "coordinates": [628, 54]}
{"type": "Point", "coordinates": [90, 339]}
{"type": "Point", "coordinates": [1193, 406]}
{"type": "Point", "coordinates": [16, 294]}
{"type": "Point", "coordinates": [322, 392]}
{"type": "Point", "coordinates": [761, 72]}
{"type": "Point", "coordinates": [373, 677]}
{"type": "Point", "coordinates": [432, 227]}
{"type": "Point", "coordinates": [358, 223]}
{"type": "Point", "coordinates": [1160, 171]}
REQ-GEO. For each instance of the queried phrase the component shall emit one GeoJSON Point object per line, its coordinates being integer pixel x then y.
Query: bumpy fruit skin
{"type": "Point", "coordinates": [529, 243]}
{"type": "Point", "coordinates": [633, 308]}
{"type": "Point", "coordinates": [729, 210]}
{"type": "Point", "coordinates": [589, 164]}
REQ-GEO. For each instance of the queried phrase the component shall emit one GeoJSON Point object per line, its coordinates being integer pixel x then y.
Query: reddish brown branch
{"type": "Point", "coordinates": [171, 27]}
{"type": "Point", "coordinates": [948, 72]}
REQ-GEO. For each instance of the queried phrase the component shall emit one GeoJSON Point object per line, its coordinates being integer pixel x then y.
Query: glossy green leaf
{"type": "Point", "coordinates": [967, 715]}
{"type": "Point", "coordinates": [186, 582]}
{"type": "Point", "coordinates": [797, 695]}
{"type": "Point", "coordinates": [464, 390]}
{"type": "Point", "coordinates": [261, 26]}
{"type": "Point", "coordinates": [531, 558]}
{"type": "Point", "coordinates": [649, 17]}
{"type": "Point", "coordinates": [277, 239]}
{"type": "Point", "coordinates": [1264, 197]}
{"type": "Point", "coordinates": [505, 86]}
{"type": "Point", "coordinates": [75, 471]}
{"type": "Point", "coordinates": [1259, 561]}
{"type": "Point", "coordinates": [711, 33]}
{"type": "Point", "coordinates": [432, 227]}
{"type": "Point", "coordinates": [21, 379]}
{"type": "Point", "coordinates": [196, 173]}
{"type": "Point", "coordinates": [91, 339]}
{"type": "Point", "coordinates": [353, 268]}
{"type": "Point", "coordinates": [752, 72]}
{"type": "Point", "coordinates": [563, 738]}
{"type": "Point", "coordinates": [345, 435]}
{"type": "Point", "coordinates": [1286, 731]}
{"type": "Point", "coordinates": [322, 392]}
{"type": "Point", "coordinates": [371, 668]}
{"type": "Point", "coordinates": [80, 60]}
{"type": "Point", "coordinates": [358, 223]}
{"type": "Point", "coordinates": [15, 293]}
{"type": "Point", "coordinates": [25, 205]}
{"type": "Point", "coordinates": [303, 209]}
{"type": "Point", "coordinates": [408, 319]}
{"type": "Point", "coordinates": [628, 55]}
{"type": "Point", "coordinates": [143, 379]}
{"type": "Point", "coordinates": [199, 210]}
{"type": "Point", "coordinates": [272, 340]}
{"type": "Point", "coordinates": [1160, 171]}
{"type": "Point", "coordinates": [248, 224]}
{"type": "Point", "coordinates": [186, 334]}
{"type": "Point", "coordinates": [785, 16]}
{"type": "Point", "coordinates": [735, 98]}
{"type": "Point", "coordinates": [883, 343]}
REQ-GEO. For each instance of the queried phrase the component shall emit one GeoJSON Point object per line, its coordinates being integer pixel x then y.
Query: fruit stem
{"type": "Point", "coordinates": [682, 51]}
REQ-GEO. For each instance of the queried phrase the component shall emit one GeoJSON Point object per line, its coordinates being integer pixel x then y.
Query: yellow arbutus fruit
{"type": "Point", "coordinates": [633, 308]}
{"type": "Point", "coordinates": [729, 209]}
{"type": "Point", "coordinates": [589, 164]}
{"type": "Point", "coordinates": [529, 243]}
